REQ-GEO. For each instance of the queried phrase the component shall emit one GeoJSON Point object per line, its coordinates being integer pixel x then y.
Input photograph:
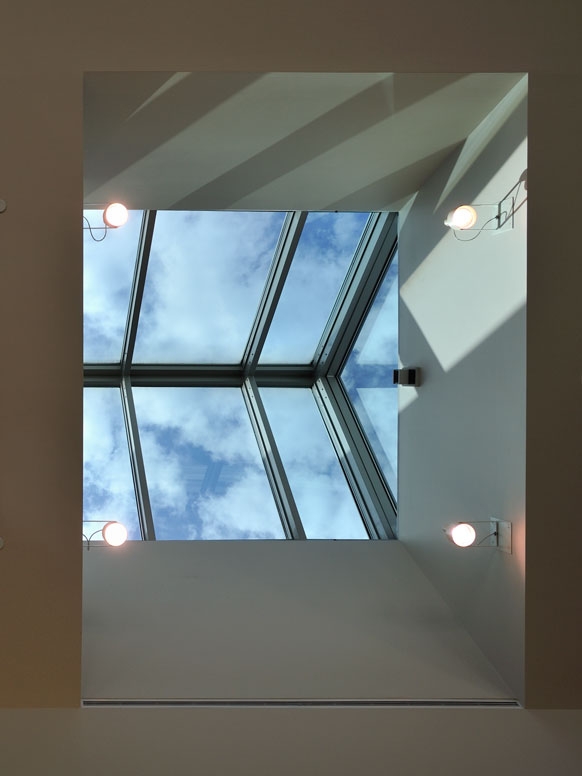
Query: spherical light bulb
{"type": "Point", "coordinates": [115, 215]}
{"type": "Point", "coordinates": [114, 533]}
{"type": "Point", "coordinates": [463, 535]}
{"type": "Point", "coordinates": [463, 217]}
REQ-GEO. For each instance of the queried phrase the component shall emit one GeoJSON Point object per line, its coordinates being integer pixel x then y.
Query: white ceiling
{"type": "Point", "coordinates": [279, 141]}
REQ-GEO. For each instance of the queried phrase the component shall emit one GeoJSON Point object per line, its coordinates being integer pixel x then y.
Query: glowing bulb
{"type": "Point", "coordinates": [463, 535]}
{"type": "Point", "coordinates": [114, 533]}
{"type": "Point", "coordinates": [463, 217]}
{"type": "Point", "coordinates": [115, 215]}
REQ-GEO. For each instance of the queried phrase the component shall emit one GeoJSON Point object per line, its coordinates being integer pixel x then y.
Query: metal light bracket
{"type": "Point", "coordinates": [501, 538]}
{"type": "Point", "coordinates": [493, 217]}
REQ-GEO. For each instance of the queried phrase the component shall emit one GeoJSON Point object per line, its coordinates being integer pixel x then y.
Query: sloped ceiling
{"type": "Point", "coordinates": [195, 141]}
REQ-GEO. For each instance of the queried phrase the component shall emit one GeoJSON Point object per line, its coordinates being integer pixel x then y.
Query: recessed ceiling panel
{"type": "Point", "coordinates": [269, 141]}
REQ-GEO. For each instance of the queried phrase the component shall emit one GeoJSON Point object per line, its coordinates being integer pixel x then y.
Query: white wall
{"type": "Point", "coordinates": [272, 620]}
{"type": "Point", "coordinates": [462, 433]}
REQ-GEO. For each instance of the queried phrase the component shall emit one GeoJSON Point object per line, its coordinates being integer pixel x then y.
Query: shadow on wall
{"type": "Point", "coordinates": [462, 433]}
{"type": "Point", "coordinates": [475, 177]}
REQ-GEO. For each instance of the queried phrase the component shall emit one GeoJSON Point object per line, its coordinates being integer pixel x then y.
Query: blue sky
{"type": "Point", "coordinates": [206, 274]}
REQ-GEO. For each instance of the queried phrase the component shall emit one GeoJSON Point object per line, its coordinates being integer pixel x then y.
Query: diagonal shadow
{"type": "Point", "coordinates": [362, 111]}
{"type": "Point", "coordinates": [118, 134]}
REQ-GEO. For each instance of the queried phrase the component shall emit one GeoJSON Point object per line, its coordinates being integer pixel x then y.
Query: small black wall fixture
{"type": "Point", "coordinates": [408, 376]}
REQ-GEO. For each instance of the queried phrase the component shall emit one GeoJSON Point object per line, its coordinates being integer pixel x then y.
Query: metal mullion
{"type": "Point", "coordinates": [276, 474]}
{"type": "Point", "coordinates": [288, 240]}
{"type": "Point", "coordinates": [284, 376]}
{"type": "Point", "coordinates": [101, 375]}
{"type": "Point", "coordinates": [144, 509]}
{"type": "Point", "coordinates": [136, 295]}
{"type": "Point", "coordinates": [376, 484]}
{"type": "Point", "coordinates": [359, 467]}
{"type": "Point", "coordinates": [192, 375]}
{"type": "Point", "coordinates": [370, 263]}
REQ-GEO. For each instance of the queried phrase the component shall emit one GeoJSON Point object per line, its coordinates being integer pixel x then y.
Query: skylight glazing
{"type": "Point", "coordinates": [108, 492]}
{"type": "Point", "coordinates": [217, 401]}
{"type": "Point", "coordinates": [367, 376]}
{"type": "Point", "coordinates": [324, 253]}
{"type": "Point", "coordinates": [322, 495]}
{"type": "Point", "coordinates": [205, 277]}
{"type": "Point", "coordinates": [205, 476]}
{"type": "Point", "coordinates": [107, 274]}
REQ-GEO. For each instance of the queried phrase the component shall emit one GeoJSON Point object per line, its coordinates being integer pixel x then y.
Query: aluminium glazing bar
{"type": "Point", "coordinates": [288, 240]}
{"type": "Point", "coordinates": [101, 375]}
{"type": "Point", "coordinates": [272, 460]}
{"type": "Point", "coordinates": [372, 258]}
{"type": "Point", "coordinates": [215, 375]}
{"type": "Point", "coordinates": [136, 296]}
{"type": "Point", "coordinates": [284, 376]}
{"type": "Point", "coordinates": [140, 485]}
{"type": "Point", "coordinates": [358, 464]}
{"type": "Point", "coordinates": [195, 375]}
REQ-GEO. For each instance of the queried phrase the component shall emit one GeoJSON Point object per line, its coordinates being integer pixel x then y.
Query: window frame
{"type": "Point", "coordinates": [371, 493]}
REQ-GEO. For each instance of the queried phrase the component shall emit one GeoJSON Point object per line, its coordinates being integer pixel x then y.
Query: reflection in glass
{"type": "Point", "coordinates": [205, 277]}
{"type": "Point", "coordinates": [324, 253]}
{"type": "Point", "coordinates": [322, 495]}
{"type": "Point", "coordinates": [205, 475]}
{"type": "Point", "coordinates": [367, 376]}
{"type": "Point", "coordinates": [108, 268]}
{"type": "Point", "coordinates": [107, 483]}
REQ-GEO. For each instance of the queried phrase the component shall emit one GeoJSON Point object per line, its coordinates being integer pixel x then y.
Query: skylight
{"type": "Point", "coordinates": [236, 375]}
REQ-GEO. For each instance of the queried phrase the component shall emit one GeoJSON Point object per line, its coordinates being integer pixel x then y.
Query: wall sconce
{"type": "Point", "coordinates": [112, 532]}
{"type": "Point", "coordinates": [480, 218]}
{"type": "Point", "coordinates": [114, 216]}
{"type": "Point", "coordinates": [462, 217]}
{"type": "Point", "coordinates": [481, 533]}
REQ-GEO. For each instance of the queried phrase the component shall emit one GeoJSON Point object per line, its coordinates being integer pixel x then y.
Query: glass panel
{"type": "Point", "coordinates": [204, 282]}
{"type": "Point", "coordinates": [107, 483]}
{"type": "Point", "coordinates": [322, 258]}
{"type": "Point", "coordinates": [205, 474]}
{"type": "Point", "coordinates": [108, 273]}
{"type": "Point", "coordinates": [367, 376]}
{"type": "Point", "coordinates": [321, 492]}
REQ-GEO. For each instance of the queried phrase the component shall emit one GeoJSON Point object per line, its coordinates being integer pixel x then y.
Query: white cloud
{"type": "Point", "coordinates": [205, 278]}
{"type": "Point", "coordinates": [205, 475]}
{"type": "Point", "coordinates": [321, 261]}
{"type": "Point", "coordinates": [323, 498]}
{"type": "Point", "coordinates": [108, 268]}
{"type": "Point", "coordinates": [246, 510]}
{"type": "Point", "coordinates": [107, 483]}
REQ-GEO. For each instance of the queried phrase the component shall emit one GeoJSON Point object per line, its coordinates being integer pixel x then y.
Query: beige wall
{"type": "Point", "coordinates": [287, 742]}
{"type": "Point", "coordinates": [44, 49]}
